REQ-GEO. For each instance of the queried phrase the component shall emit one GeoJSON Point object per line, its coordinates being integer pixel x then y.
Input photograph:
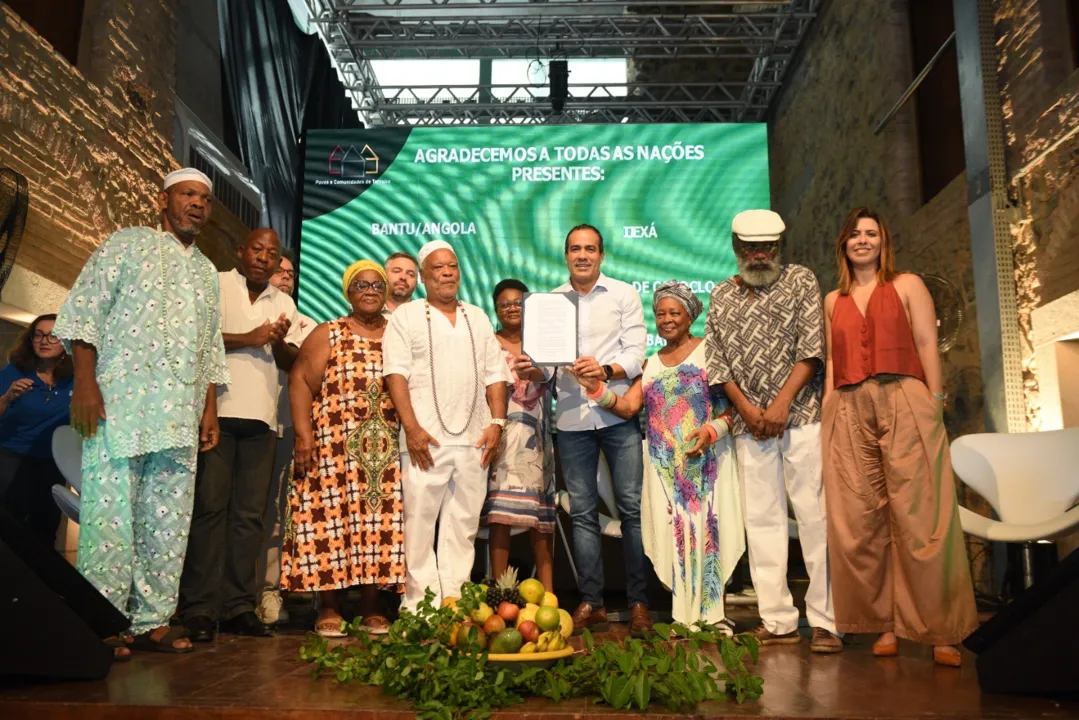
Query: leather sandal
{"type": "Point", "coordinates": [376, 625]}
{"type": "Point", "coordinates": [164, 644]}
{"type": "Point", "coordinates": [331, 627]}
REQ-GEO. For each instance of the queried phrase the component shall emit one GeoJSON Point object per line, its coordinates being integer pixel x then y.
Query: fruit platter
{"type": "Point", "coordinates": [515, 622]}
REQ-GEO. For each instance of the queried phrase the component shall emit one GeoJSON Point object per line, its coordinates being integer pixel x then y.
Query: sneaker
{"type": "Point", "coordinates": [270, 610]}
{"type": "Point", "coordinates": [766, 637]}
{"type": "Point", "coordinates": [748, 596]}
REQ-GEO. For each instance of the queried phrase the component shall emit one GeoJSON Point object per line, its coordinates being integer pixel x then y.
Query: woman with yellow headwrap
{"type": "Point", "coordinates": [346, 520]}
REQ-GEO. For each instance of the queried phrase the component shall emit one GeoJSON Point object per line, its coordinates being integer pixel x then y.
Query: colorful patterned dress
{"type": "Point", "coordinates": [691, 509]}
{"type": "Point", "coordinates": [346, 520]}
{"type": "Point", "coordinates": [520, 488]}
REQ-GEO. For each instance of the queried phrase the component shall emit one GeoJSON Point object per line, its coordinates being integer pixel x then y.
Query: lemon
{"type": "Point", "coordinates": [528, 612]}
{"type": "Point", "coordinates": [531, 590]}
{"type": "Point", "coordinates": [549, 600]}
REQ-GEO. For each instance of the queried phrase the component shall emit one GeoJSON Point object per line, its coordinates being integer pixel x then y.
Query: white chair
{"type": "Point", "coordinates": [1031, 480]}
{"type": "Point", "coordinates": [67, 453]}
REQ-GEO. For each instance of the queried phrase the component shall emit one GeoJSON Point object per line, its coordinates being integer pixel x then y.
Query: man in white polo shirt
{"type": "Point", "coordinates": [260, 329]}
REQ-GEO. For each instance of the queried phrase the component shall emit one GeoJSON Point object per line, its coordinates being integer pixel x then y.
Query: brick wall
{"type": "Point", "coordinates": [93, 141]}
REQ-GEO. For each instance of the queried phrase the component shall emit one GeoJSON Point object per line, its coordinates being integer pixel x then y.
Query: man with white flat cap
{"type": "Point", "coordinates": [765, 348]}
{"type": "Point", "coordinates": [143, 327]}
{"type": "Point", "coordinates": [447, 377]}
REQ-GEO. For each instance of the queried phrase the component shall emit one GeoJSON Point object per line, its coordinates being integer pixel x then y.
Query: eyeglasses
{"type": "Point", "coordinates": [286, 273]}
{"type": "Point", "coordinates": [748, 248]}
{"type": "Point", "coordinates": [361, 286]}
{"type": "Point", "coordinates": [45, 338]}
{"type": "Point", "coordinates": [511, 304]}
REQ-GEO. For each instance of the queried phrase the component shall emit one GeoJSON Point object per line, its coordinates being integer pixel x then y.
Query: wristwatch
{"type": "Point", "coordinates": [500, 422]}
{"type": "Point", "coordinates": [608, 372]}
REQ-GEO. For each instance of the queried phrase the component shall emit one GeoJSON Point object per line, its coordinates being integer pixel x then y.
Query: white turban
{"type": "Point", "coordinates": [431, 247]}
{"type": "Point", "coordinates": [179, 176]}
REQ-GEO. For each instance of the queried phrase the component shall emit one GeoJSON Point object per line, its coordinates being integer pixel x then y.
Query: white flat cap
{"type": "Point", "coordinates": [431, 247]}
{"type": "Point", "coordinates": [184, 174]}
{"type": "Point", "coordinates": [758, 226]}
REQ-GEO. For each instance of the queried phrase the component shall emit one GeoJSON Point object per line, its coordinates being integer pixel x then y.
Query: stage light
{"type": "Point", "coordinates": [558, 72]}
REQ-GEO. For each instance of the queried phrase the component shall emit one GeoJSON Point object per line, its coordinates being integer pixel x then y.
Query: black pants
{"type": "Point", "coordinates": [26, 491]}
{"type": "Point", "coordinates": [231, 487]}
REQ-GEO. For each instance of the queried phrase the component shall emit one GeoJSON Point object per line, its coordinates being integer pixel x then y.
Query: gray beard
{"type": "Point", "coordinates": [759, 277]}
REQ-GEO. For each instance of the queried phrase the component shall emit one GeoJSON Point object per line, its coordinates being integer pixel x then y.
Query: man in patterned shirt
{"type": "Point", "coordinates": [765, 348]}
{"type": "Point", "coordinates": [142, 325]}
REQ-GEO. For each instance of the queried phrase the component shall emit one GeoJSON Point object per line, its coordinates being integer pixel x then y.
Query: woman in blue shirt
{"type": "Point", "coordinates": [36, 400]}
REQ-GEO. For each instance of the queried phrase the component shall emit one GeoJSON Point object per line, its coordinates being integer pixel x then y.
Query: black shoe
{"type": "Point", "coordinates": [200, 628]}
{"type": "Point", "coordinates": [246, 623]}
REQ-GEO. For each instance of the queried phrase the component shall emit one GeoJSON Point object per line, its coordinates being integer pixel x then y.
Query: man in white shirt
{"type": "Point", "coordinates": [260, 330]}
{"type": "Point", "coordinates": [402, 272]}
{"type": "Point", "coordinates": [611, 341]}
{"type": "Point", "coordinates": [270, 609]}
{"type": "Point", "coordinates": [447, 378]}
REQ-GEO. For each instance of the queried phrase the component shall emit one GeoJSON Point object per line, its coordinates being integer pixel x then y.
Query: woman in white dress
{"type": "Point", "coordinates": [691, 509]}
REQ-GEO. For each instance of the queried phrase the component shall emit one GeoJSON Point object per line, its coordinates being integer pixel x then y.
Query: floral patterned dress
{"type": "Point", "coordinates": [520, 486]}
{"type": "Point", "coordinates": [346, 520]}
{"type": "Point", "coordinates": [691, 509]}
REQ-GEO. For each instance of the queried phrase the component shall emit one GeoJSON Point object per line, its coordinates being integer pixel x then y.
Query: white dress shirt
{"type": "Point", "coordinates": [255, 385]}
{"type": "Point", "coordinates": [284, 411]}
{"type": "Point", "coordinates": [405, 352]}
{"type": "Point", "coordinates": [611, 329]}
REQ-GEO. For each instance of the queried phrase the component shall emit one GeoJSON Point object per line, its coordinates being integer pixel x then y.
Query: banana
{"type": "Point", "coordinates": [542, 642]}
{"type": "Point", "coordinates": [528, 648]}
{"type": "Point", "coordinates": [557, 642]}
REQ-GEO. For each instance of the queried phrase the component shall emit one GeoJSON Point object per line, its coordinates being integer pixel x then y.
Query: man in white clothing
{"type": "Point", "coordinates": [447, 377]}
{"type": "Point", "coordinates": [270, 610]}
{"type": "Point", "coordinates": [765, 347]}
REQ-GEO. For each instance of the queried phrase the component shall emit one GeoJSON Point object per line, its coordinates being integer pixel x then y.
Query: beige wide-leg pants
{"type": "Point", "coordinates": [895, 544]}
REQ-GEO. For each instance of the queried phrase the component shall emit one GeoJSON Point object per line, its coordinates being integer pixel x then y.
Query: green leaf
{"type": "Point", "coordinates": [642, 690]}
{"type": "Point", "coordinates": [622, 693]}
{"type": "Point", "coordinates": [589, 643]}
{"type": "Point", "coordinates": [662, 629]}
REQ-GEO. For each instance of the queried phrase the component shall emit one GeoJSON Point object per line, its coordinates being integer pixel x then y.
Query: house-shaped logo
{"type": "Point", "coordinates": [352, 162]}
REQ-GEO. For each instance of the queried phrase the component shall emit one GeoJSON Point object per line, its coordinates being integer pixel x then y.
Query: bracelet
{"type": "Point", "coordinates": [941, 396]}
{"type": "Point", "coordinates": [608, 399]}
{"type": "Point", "coordinates": [594, 394]}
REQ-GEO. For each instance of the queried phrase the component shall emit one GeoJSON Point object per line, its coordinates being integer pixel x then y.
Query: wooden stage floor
{"type": "Point", "coordinates": [240, 678]}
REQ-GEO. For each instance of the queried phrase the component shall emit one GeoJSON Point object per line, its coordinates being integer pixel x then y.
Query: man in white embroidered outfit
{"type": "Point", "coordinates": [447, 378]}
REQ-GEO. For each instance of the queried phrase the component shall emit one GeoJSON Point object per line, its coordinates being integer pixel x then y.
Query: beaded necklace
{"type": "Point", "coordinates": [204, 332]}
{"type": "Point", "coordinates": [475, 371]}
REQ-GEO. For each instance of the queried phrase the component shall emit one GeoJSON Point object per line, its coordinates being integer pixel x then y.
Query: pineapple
{"type": "Point", "coordinates": [505, 590]}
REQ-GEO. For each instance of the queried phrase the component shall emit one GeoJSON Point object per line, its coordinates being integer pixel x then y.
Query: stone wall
{"type": "Point", "coordinates": [93, 141]}
{"type": "Point", "coordinates": [1040, 97]}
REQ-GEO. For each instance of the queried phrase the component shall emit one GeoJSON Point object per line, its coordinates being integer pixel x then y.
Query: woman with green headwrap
{"type": "Point", "coordinates": [345, 526]}
{"type": "Point", "coordinates": [691, 511]}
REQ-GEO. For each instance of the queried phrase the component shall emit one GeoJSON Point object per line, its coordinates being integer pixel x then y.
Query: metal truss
{"type": "Point", "coordinates": [751, 43]}
{"type": "Point", "coordinates": [609, 103]}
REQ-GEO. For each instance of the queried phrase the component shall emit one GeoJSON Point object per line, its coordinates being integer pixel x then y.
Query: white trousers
{"type": "Point", "coordinates": [451, 493]}
{"type": "Point", "coordinates": [268, 568]}
{"type": "Point", "coordinates": [769, 470]}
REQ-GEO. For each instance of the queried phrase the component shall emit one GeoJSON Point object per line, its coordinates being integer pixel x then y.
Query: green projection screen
{"type": "Point", "coordinates": [505, 196]}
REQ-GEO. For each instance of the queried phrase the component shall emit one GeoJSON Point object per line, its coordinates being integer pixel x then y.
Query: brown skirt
{"type": "Point", "coordinates": [895, 545]}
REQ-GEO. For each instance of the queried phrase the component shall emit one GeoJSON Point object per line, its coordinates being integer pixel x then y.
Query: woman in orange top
{"type": "Point", "coordinates": [898, 562]}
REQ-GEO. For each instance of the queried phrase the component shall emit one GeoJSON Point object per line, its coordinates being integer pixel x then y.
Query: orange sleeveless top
{"type": "Point", "coordinates": [878, 343]}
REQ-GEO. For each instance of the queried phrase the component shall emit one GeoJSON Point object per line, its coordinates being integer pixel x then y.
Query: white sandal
{"type": "Point", "coordinates": [324, 629]}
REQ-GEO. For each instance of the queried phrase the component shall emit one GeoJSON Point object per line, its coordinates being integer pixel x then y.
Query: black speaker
{"type": "Point", "coordinates": [52, 621]}
{"type": "Point", "coordinates": [1031, 647]}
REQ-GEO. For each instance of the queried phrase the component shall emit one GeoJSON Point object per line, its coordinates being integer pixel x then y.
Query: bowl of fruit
{"type": "Point", "coordinates": [518, 623]}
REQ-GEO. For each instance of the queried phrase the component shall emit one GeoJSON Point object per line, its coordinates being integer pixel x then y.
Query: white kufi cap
{"type": "Point", "coordinates": [431, 247]}
{"type": "Point", "coordinates": [178, 176]}
{"type": "Point", "coordinates": [758, 226]}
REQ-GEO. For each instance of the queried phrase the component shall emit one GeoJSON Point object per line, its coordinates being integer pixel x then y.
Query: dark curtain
{"type": "Point", "coordinates": [280, 83]}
